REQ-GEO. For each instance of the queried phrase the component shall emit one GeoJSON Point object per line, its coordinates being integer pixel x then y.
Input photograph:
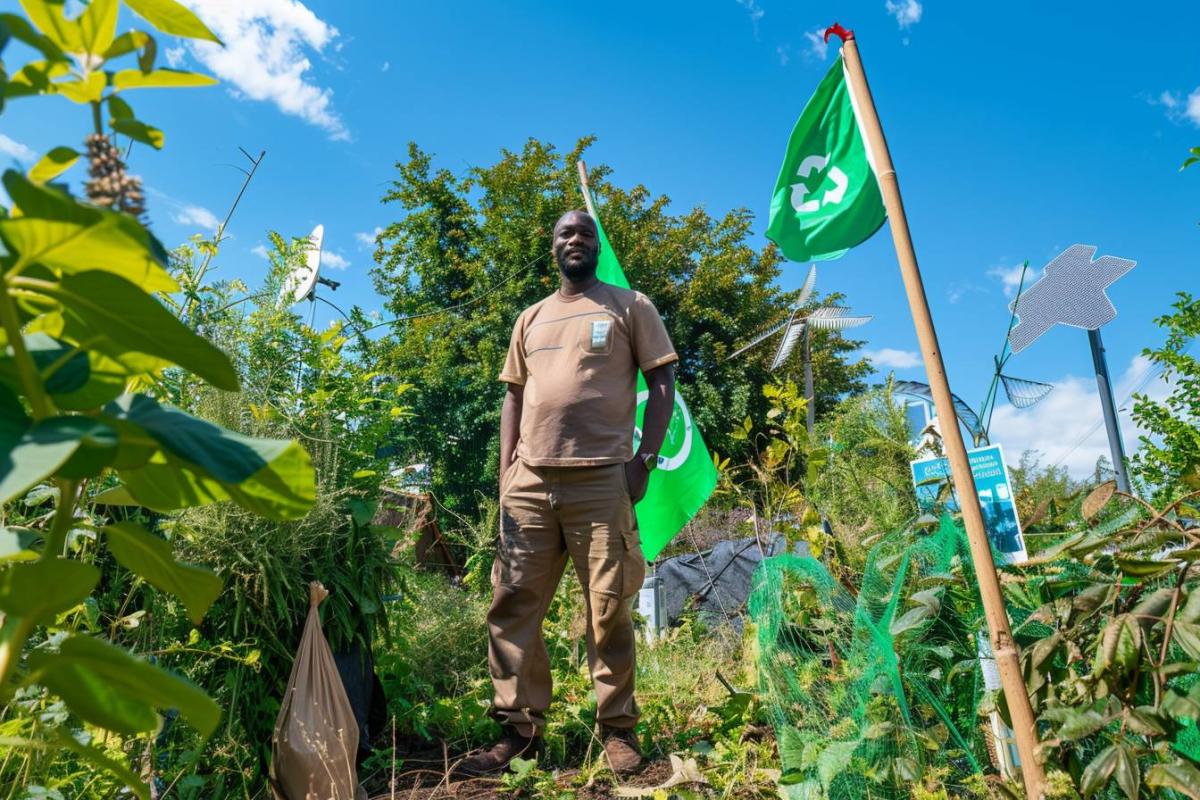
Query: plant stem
{"type": "Point", "coordinates": [56, 539]}
{"type": "Point", "coordinates": [97, 120]}
{"type": "Point", "coordinates": [26, 369]}
{"type": "Point", "coordinates": [12, 638]}
{"type": "Point", "coordinates": [1166, 643]}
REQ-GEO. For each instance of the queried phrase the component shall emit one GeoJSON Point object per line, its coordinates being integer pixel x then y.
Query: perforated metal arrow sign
{"type": "Point", "coordinates": [1070, 292]}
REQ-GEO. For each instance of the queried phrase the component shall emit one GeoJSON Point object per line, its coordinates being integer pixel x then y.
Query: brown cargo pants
{"type": "Point", "coordinates": [546, 514]}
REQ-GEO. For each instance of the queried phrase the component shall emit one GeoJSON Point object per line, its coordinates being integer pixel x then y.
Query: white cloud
{"type": "Point", "coordinates": [781, 53]}
{"type": "Point", "coordinates": [14, 149]}
{"type": "Point", "coordinates": [386, 66]}
{"type": "Point", "coordinates": [175, 56]}
{"type": "Point", "coordinates": [260, 250]}
{"type": "Point", "coordinates": [368, 239]}
{"type": "Point", "coordinates": [264, 57]}
{"type": "Point", "coordinates": [753, 9]}
{"type": "Point", "coordinates": [1192, 111]}
{"type": "Point", "coordinates": [1010, 277]}
{"type": "Point", "coordinates": [896, 359]}
{"type": "Point", "coordinates": [1178, 107]}
{"type": "Point", "coordinates": [333, 260]}
{"type": "Point", "coordinates": [199, 216]}
{"type": "Point", "coordinates": [1067, 425]}
{"type": "Point", "coordinates": [818, 48]}
{"type": "Point", "coordinates": [906, 12]}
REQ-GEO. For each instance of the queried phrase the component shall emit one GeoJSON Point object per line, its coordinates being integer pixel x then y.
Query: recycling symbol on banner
{"type": "Point", "coordinates": [800, 191]}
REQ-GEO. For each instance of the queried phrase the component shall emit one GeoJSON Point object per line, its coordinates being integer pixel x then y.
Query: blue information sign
{"type": "Point", "coordinates": [995, 496]}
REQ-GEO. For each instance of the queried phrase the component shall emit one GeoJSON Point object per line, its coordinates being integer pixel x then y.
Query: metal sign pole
{"type": "Point", "coordinates": [1104, 383]}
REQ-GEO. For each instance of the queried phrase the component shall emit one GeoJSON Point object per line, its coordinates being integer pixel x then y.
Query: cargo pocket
{"type": "Point", "coordinates": [634, 570]}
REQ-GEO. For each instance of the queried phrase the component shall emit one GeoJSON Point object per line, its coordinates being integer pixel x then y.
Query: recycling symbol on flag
{"type": "Point", "coordinates": [801, 201]}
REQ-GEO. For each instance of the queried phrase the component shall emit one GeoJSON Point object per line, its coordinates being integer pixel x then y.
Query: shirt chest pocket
{"type": "Point", "coordinates": [596, 334]}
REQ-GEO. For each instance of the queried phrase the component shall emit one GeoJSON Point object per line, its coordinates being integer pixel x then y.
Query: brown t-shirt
{"type": "Point", "coordinates": [577, 357]}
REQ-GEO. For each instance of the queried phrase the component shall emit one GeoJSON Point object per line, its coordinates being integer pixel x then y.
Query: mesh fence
{"type": "Point", "coordinates": [872, 691]}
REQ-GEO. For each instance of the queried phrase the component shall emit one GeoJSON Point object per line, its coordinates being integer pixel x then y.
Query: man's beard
{"type": "Point", "coordinates": [578, 271]}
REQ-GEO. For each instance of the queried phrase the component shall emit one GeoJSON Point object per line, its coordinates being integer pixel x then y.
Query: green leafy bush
{"type": "Point", "coordinates": [1110, 637]}
{"type": "Point", "coordinates": [82, 326]}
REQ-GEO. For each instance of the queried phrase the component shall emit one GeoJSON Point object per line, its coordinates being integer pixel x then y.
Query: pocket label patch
{"type": "Point", "coordinates": [600, 331]}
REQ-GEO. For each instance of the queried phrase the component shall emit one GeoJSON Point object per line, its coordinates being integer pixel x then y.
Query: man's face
{"type": "Point", "coordinates": [576, 245]}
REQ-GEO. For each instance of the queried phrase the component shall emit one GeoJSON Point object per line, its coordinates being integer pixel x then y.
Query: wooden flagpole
{"type": "Point", "coordinates": [1004, 648]}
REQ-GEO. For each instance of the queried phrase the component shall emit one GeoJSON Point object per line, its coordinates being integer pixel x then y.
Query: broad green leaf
{"type": "Point", "coordinates": [1081, 724]}
{"type": "Point", "coordinates": [1144, 567]}
{"type": "Point", "coordinates": [83, 90]}
{"type": "Point", "coordinates": [98, 25]}
{"type": "Point", "coordinates": [1187, 636]}
{"type": "Point", "coordinates": [1189, 611]}
{"type": "Point", "coordinates": [221, 454]}
{"type": "Point", "coordinates": [39, 452]}
{"type": "Point", "coordinates": [43, 588]}
{"type": "Point", "coordinates": [98, 758]}
{"type": "Point", "coordinates": [1119, 645]}
{"type": "Point", "coordinates": [106, 381]}
{"type": "Point", "coordinates": [97, 449]}
{"type": "Point", "coordinates": [46, 351]}
{"type": "Point", "coordinates": [16, 544]}
{"type": "Point", "coordinates": [1180, 776]}
{"type": "Point", "coordinates": [1181, 707]}
{"type": "Point", "coordinates": [118, 108]}
{"type": "Point", "coordinates": [1097, 774]}
{"type": "Point", "coordinates": [35, 78]}
{"type": "Point", "coordinates": [1147, 721]}
{"type": "Point", "coordinates": [284, 489]}
{"type": "Point", "coordinates": [1127, 773]}
{"type": "Point", "coordinates": [913, 618]}
{"type": "Point", "coordinates": [53, 164]}
{"type": "Point", "coordinates": [1097, 499]}
{"type": "Point", "coordinates": [49, 18]}
{"type": "Point", "coordinates": [150, 557]}
{"type": "Point", "coordinates": [22, 31]}
{"type": "Point", "coordinates": [171, 17]}
{"type": "Point", "coordinates": [139, 132]}
{"type": "Point", "coordinates": [159, 79]}
{"type": "Point", "coordinates": [102, 304]}
{"type": "Point", "coordinates": [127, 43]}
{"type": "Point", "coordinates": [834, 759]}
{"type": "Point", "coordinates": [106, 686]}
{"type": "Point", "coordinates": [61, 233]}
{"type": "Point", "coordinates": [147, 56]}
{"type": "Point", "coordinates": [13, 419]}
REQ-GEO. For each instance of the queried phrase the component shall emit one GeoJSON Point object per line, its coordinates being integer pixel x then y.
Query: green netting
{"type": "Point", "coordinates": [872, 691]}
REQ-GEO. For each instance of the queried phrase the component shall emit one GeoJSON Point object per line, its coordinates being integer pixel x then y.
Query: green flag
{"type": "Point", "coordinates": [686, 475]}
{"type": "Point", "coordinates": [826, 199]}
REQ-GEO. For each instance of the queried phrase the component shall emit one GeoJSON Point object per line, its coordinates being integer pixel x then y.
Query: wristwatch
{"type": "Point", "coordinates": [649, 460]}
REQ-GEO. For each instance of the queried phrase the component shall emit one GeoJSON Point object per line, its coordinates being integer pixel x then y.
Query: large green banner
{"type": "Point", "coordinates": [686, 476]}
{"type": "Point", "coordinates": [826, 199]}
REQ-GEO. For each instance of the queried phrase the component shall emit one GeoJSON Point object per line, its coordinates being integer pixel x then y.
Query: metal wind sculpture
{"type": "Point", "coordinates": [797, 325]}
{"type": "Point", "coordinates": [1071, 292]}
{"type": "Point", "coordinates": [1021, 392]}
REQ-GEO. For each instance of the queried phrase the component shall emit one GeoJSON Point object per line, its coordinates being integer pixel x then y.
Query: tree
{"type": "Point", "coordinates": [1169, 456]}
{"type": "Point", "coordinates": [471, 251]}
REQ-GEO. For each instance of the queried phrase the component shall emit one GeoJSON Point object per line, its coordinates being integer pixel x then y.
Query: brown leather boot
{"type": "Point", "coordinates": [497, 758]}
{"type": "Point", "coordinates": [621, 747]}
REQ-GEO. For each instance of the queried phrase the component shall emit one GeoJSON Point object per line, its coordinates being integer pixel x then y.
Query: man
{"type": "Point", "coordinates": [569, 479]}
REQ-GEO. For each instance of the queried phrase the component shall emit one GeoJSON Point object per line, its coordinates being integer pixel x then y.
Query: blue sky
{"type": "Point", "coordinates": [1017, 129]}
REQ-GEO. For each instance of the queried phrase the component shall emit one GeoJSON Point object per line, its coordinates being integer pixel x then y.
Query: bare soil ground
{"type": "Point", "coordinates": [423, 776]}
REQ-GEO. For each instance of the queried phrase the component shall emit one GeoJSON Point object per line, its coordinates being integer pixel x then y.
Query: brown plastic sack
{"type": "Point", "coordinates": [316, 737]}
